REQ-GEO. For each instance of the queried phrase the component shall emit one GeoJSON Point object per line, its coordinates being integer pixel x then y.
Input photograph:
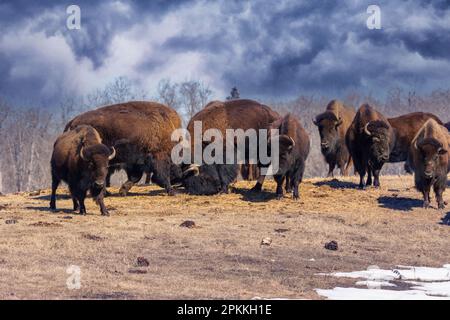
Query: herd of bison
{"type": "Point", "coordinates": [136, 137]}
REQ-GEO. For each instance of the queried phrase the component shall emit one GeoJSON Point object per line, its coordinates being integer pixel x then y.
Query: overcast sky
{"type": "Point", "coordinates": [268, 49]}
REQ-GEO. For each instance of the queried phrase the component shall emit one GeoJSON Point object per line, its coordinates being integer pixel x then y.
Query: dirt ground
{"type": "Point", "coordinates": [222, 256]}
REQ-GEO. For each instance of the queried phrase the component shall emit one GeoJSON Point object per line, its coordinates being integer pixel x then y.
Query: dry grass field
{"type": "Point", "coordinates": [222, 256]}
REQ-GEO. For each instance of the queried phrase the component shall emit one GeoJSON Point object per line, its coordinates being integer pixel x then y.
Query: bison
{"type": "Point", "coordinates": [294, 148]}
{"type": "Point", "coordinates": [81, 160]}
{"type": "Point", "coordinates": [406, 128]}
{"type": "Point", "coordinates": [430, 161]}
{"type": "Point", "coordinates": [369, 140]}
{"type": "Point", "coordinates": [141, 132]}
{"type": "Point", "coordinates": [333, 125]}
{"type": "Point", "coordinates": [233, 114]}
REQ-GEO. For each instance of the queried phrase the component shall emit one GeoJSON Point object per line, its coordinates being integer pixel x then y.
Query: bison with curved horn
{"type": "Point", "coordinates": [294, 146]}
{"type": "Point", "coordinates": [430, 161]}
{"type": "Point", "coordinates": [370, 140]}
{"type": "Point", "coordinates": [333, 125]}
{"type": "Point", "coordinates": [81, 159]}
{"type": "Point", "coordinates": [141, 132]}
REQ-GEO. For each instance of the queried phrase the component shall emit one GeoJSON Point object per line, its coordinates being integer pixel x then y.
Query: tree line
{"type": "Point", "coordinates": [27, 133]}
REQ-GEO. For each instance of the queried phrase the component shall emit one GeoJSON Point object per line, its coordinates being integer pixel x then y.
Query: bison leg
{"type": "Point", "coordinates": [369, 177]}
{"type": "Point", "coordinates": [439, 190]}
{"type": "Point", "coordinates": [345, 172]}
{"type": "Point", "coordinates": [288, 185]}
{"type": "Point", "coordinates": [331, 167]}
{"type": "Point", "coordinates": [55, 184]}
{"type": "Point", "coordinates": [259, 184]}
{"type": "Point", "coordinates": [134, 175]}
{"type": "Point", "coordinates": [101, 203]}
{"type": "Point", "coordinates": [426, 195]}
{"type": "Point", "coordinates": [279, 179]}
{"type": "Point", "coordinates": [376, 182]}
{"type": "Point", "coordinates": [80, 197]}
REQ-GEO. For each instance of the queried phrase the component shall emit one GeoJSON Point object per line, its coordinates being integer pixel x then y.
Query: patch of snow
{"type": "Point", "coordinates": [421, 283]}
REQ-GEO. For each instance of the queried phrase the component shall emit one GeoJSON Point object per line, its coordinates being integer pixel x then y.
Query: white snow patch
{"type": "Point", "coordinates": [421, 283]}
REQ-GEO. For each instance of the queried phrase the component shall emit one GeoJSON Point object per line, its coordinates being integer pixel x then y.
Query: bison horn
{"type": "Point", "coordinates": [314, 121]}
{"type": "Point", "coordinates": [82, 154]}
{"type": "Point", "coordinates": [293, 142]}
{"type": "Point", "coordinates": [366, 129]}
{"type": "Point", "coordinates": [113, 154]}
{"type": "Point", "coordinates": [193, 168]}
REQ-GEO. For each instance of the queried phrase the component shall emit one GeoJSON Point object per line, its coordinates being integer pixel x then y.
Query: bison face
{"type": "Point", "coordinates": [329, 135]}
{"type": "Point", "coordinates": [286, 156]}
{"type": "Point", "coordinates": [432, 154]}
{"type": "Point", "coordinates": [97, 158]}
{"type": "Point", "coordinates": [379, 141]}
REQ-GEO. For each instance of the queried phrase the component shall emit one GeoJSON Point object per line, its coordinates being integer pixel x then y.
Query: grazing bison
{"type": "Point", "coordinates": [430, 161]}
{"type": "Point", "coordinates": [370, 140]}
{"type": "Point", "coordinates": [141, 132]}
{"type": "Point", "coordinates": [80, 159]}
{"type": "Point", "coordinates": [294, 148]}
{"type": "Point", "coordinates": [234, 114]}
{"type": "Point", "coordinates": [333, 125]}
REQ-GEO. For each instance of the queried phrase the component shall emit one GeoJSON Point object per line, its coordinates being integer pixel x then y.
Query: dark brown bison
{"type": "Point", "coordinates": [370, 140]}
{"type": "Point", "coordinates": [333, 125]}
{"type": "Point", "coordinates": [81, 160]}
{"type": "Point", "coordinates": [141, 133]}
{"type": "Point", "coordinates": [430, 160]}
{"type": "Point", "coordinates": [233, 114]}
{"type": "Point", "coordinates": [294, 148]}
{"type": "Point", "coordinates": [406, 128]}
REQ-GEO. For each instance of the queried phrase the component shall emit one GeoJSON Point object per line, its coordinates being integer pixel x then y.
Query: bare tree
{"type": "Point", "coordinates": [193, 96]}
{"type": "Point", "coordinates": [168, 93]}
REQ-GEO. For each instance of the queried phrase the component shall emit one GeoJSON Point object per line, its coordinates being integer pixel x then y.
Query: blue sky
{"type": "Point", "coordinates": [269, 49]}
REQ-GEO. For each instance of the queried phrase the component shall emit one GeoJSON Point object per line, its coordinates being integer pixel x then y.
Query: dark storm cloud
{"type": "Point", "coordinates": [267, 48]}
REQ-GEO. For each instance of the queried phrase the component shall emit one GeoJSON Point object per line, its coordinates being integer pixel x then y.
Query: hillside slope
{"type": "Point", "coordinates": [222, 257]}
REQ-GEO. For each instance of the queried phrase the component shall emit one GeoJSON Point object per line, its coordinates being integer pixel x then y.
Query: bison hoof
{"type": "Point", "coordinates": [426, 205]}
{"type": "Point", "coordinates": [105, 214]}
{"type": "Point", "coordinates": [441, 206]}
{"type": "Point", "coordinates": [295, 197]}
{"type": "Point", "coordinates": [171, 192]}
{"type": "Point", "coordinates": [279, 196]}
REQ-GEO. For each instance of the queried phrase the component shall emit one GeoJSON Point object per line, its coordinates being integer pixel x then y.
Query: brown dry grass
{"type": "Point", "coordinates": [221, 257]}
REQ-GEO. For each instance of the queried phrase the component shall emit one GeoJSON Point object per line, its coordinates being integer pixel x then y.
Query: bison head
{"type": "Point", "coordinates": [379, 139]}
{"type": "Point", "coordinates": [97, 158]}
{"type": "Point", "coordinates": [328, 125]}
{"type": "Point", "coordinates": [286, 157]}
{"type": "Point", "coordinates": [431, 152]}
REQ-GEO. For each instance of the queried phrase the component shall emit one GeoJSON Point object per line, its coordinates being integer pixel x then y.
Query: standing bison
{"type": "Point", "coordinates": [406, 128]}
{"type": "Point", "coordinates": [370, 140]}
{"type": "Point", "coordinates": [333, 125]}
{"type": "Point", "coordinates": [430, 161]}
{"type": "Point", "coordinates": [80, 159]}
{"type": "Point", "coordinates": [294, 148]}
{"type": "Point", "coordinates": [234, 114]}
{"type": "Point", "coordinates": [141, 132]}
